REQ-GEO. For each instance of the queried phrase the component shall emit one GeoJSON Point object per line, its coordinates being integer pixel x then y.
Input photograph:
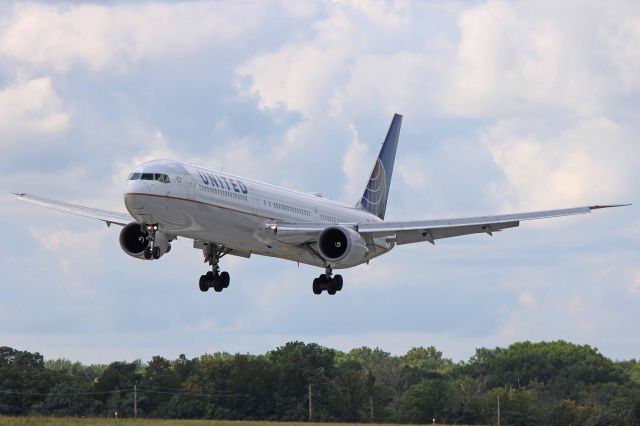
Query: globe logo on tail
{"type": "Point", "coordinates": [374, 199]}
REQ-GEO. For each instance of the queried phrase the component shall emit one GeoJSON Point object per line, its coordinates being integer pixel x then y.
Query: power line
{"type": "Point", "coordinates": [135, 389]}
{"type": "Point", "coordinates": [14, 392]}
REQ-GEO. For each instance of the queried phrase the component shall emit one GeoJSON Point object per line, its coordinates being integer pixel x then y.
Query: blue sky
{"type": "Point", "coordinates": [508, 106]}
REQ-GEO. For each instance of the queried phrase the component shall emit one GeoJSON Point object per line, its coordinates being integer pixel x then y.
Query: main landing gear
{"type": "Point", "coordinates": [327, 282]}
{"type": "Point", "coordinates": [214, 278]}
{"type": "Point", "coordinates": [151, 251]}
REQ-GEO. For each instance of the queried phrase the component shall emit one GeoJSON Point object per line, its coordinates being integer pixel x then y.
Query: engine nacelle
{"type": "Point", "coordinates": [133, 240]}
{"type": "Point", "coordinates": [342, 246]}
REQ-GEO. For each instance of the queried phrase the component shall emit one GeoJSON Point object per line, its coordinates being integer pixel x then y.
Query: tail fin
{"type": "Point", "coordinates": [374, 198]}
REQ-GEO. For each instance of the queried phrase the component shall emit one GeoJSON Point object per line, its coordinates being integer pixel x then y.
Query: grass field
{"type": "Point", "coordinates": [70, 421]}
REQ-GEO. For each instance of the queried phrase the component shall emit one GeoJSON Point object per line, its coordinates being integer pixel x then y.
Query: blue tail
{"type": "Point", "coordinates": [374, 198]}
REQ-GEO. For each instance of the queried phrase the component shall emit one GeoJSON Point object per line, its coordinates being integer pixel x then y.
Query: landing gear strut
{"type": "Point", "coordinates": [214, 278]}
{"type": "Point", "coordinates": [151, 252]}
{"type": "Point", "coordinates": [327, 282]}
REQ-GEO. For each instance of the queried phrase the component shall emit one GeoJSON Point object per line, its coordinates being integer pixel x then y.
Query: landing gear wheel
{"type": "Point", "coordinates": [147, 253]}
{"type": "Point", "coordinates": [327, 282]}
{"type": "Point", "coordinates": [338, 282]}
{"type": "Point", "coordinates": [204, 285]}
{"type": "Point", "coordinates": [156, 252]}
{"type": "Point", "coordinates": [225, 279]}
{"type": "Point", "coordinates": [317, 286]}
{"type": "Point", "coordinates": [214, 278]}
{"type": "Point", "coordinates": [218, 285]}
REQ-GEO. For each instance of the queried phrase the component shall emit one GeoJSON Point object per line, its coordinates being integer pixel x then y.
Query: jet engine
{"type": "Point", "coordinates": [134, 241]}
{"type": "Point", "coordinates": [341, 245]}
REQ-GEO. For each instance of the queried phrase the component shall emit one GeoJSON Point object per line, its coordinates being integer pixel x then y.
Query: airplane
{"type": "Point", "coordinates": [226, 214]}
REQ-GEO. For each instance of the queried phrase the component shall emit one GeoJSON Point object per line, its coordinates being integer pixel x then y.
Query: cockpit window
{"type": "Point", "coordinates": [160, 177]}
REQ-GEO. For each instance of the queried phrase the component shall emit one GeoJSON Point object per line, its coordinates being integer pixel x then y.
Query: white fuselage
{"type": "Point", "coordinates": [215, 207]}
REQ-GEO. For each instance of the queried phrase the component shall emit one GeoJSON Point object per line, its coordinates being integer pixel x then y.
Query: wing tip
{"type": "Point", "coordinates": [608, 206]}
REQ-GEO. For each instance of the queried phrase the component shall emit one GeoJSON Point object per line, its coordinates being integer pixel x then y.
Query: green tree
{"type": "Point", "coordinates": [114, 388]}
{"type": "Point", "coordinates": [429, 399]}
{"type": "Point", "coordinates": [299, 366]}
{"type": "Point", "coordinates": [23, 380]}
{"type": "Point", "coordinates": [158, 384]}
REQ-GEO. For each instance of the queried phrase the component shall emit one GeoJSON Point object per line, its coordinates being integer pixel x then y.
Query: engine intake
{"type": "Point", "coordinates": [134, 241]}
{"type": "Point", "coordinates": [341, 245]}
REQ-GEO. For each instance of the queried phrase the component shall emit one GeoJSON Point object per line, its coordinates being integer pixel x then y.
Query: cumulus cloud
{"type": "Point", "coordinates": [309, 76]}
{"type": "Point", "coordinates": [98, 36]}
{"type": "Point", "coordinates": [74, 261]}
{"type": "Point", "coordinates": [633, 285]}
{"type": "Point", "coordinates": [355, 166]}
{"type": "Point", "coordinates": [592, 161]}
{"type": "Point", "coordinates": [519, 58]}
{"type": "Point", "coordinates": [32, 106]}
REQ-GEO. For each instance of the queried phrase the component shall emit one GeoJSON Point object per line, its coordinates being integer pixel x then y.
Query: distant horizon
{"type": "Point", "coordinates": [444, 355]}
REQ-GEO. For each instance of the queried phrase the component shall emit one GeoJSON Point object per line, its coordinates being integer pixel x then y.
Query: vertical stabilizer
{"type": "Point", "coordinates": [374, 198]}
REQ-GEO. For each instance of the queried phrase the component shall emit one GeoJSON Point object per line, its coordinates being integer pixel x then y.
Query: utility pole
{"type": "Point", "coordinates": [135, 401]}
{"type": "Point", "coordinates": [371, 407]}
{"type": "Point", "coordinates": [498, 410]}
{"type": "Point", "coordinates": [310, 406]}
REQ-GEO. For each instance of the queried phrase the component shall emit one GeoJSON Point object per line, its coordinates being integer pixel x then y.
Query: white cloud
{"type": "Point", "coordinates": [305, 76]}
{"type": "Point", "coordinates": [591, 162]}
{"type": "Point", "coordinates": [355, 166]}
{"type": "Point", "coordinates": [623, 41]}
{"type": "Point", "coordinates": [633, 285]}
{"type": "Point", "coordinates": [117, 36]}
{"type": "Point", "coordinates": [78, 255]}
{"type": "Point", "coordinates": [32, 106]}
{"type": "Point", "coordinates": [383, 84]}
{"type": "Point", "coordinates": [294, 77]}
{"type": "Point", "coordinates": [151, 146]}
{"type": "Point", "coordinates": [519, 58]}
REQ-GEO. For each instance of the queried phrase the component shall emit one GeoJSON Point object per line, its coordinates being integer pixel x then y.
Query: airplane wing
{"type": "Point", "coordinates": [426, 230]}
{"type": "Point", "coordinates": [103, 215]}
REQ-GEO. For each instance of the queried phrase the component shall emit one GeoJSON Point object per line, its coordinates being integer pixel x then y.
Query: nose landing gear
{"type": "Point", "coordinates": [326, 282]}
{"type": "Point", "coordinates": [214, 278]}
{"type": "Point", "coordinates": [151, 251]}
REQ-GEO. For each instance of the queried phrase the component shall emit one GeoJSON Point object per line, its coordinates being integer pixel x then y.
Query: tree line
{"type": "Point", "coordinates": [555, 383]}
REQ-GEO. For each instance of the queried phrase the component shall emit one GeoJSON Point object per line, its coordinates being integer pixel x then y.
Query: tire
{"type": "Point", "coordinates": [156, 252]}
{"type": "Point", "coordinates": [225, 279]}
{"type": "Point", "coordinates": [204, 285]}
{"type": "Point", "coordinates": [218, 285]}
{"type": "Point", "coordinates": [147, 253]}
{"type": "Point", "coordinates": [331, 290]}
{"type": "Point", "coordinates": [317, 286]}
{"type": "Point", "coordinates": [338, 282]}
{"type": "Point", "coordinates": [209, 277]}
